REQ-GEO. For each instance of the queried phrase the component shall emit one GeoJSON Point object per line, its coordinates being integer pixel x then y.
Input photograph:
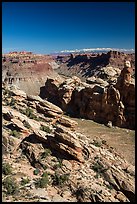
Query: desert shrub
{"type": "Point", "coordinates": [26, 124]}
{"type": "Point", "coordinates": [12, 102]}
{"type": "Point", "coordinates": [29, 113]}
{"type": "Point", "coordinates": [46, 153]}
{"type": "Point", "coordinates": [79, 192]}
{"type": "Point", "coordinates": [36, 172]}
{"type": "Point", "coordinates": [99, 168]}
{"type": "Point", "coordinates": [45, 174]}
{"type": "Point", "coordinates": [59, 180]}
{"type": "Point", "coordinates": [43, 181]}
{"type": "Point", "coordinates": [32, 116]}
{"type": "Point", "coordinates": [7, 92]}
{"type": "Point", "coordinates": [10, 185]}
{"type": "Point", "coordinates": [59, 164]}
{"type": "Point", "coordinates": [6, 169]}
{"type": "Point", "coordinates": [25, 181]}
{"type": "Point", "coordinates": [96, 143]}
{"type": "Point", "coordinates": [45, 128]}
{"type": "Point", "coordinates": [15, 133]}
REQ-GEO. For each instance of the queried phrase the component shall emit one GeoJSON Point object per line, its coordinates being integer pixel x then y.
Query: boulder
{"type": "Point", "coordinates": [67, 122]}
{"type": "Point", "coordinates": [94, 80]}
{"type": "Point", "coordinates": [34, 98]}
{"type": "Point", "coordinates": [66, 136]}
{"type": "Point", "coordinates": [50, 106]}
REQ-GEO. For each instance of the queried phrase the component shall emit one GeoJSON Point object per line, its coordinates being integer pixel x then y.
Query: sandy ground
{"type": "Point", "coordinates": [122, 140]}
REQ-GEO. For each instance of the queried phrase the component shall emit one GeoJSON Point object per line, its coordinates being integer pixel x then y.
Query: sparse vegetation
{"type": "Point", "coordinates": [6, 169]}
{"type": "Point", "coordinates": [26, 124]}
{"type": "Point", "coordinates": [36, 172]}
{"type": "Point", "coordinates": [25, 181]}
{"type": "Point", "coordinates": [59, 180]}
{"type": "Point", "coordinates": [59, 164]}
{"type": "Point", "coordinates": [45, 129]}
{"type": "Point", "coordinates": [80, 191]}
{"type": "Point", "coordinates": [97, 143]}
{"type": "Point", "coordinates": [10, 185]}
{"type": "Point", "coordinates": [12, 102]}
{"type": "Point", "coordinates": [43, 181]}
{"type": "Point", "coordinates": [29, 113]}
{"type": "Point", "coordinates": [46, 153]}
{"type": "Point", "coordinates": [7, 92]}
{"type": "Point", "coordinates": [15, 133]}
{"type": "Point", "coordinates": [99, 168]}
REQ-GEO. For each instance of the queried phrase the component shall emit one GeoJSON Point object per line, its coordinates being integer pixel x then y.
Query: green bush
{"type": "Point", "coordinates": [99, 168]}
{"type": "Point", "coordinates": [28, 112]}
{"type": "Point", "coordinates": [10, 185]}
{"type": "Point", "coordinates": [96, 143]}
{"type": "Point", "coordinates": [45, 128]}
{"type": "Point", "coordinates": [60, 179]}
{"type": "Point", "coordinates": [26, 124]}
{"type": "Point", "coordinates": [12, 102]}
{"type": "Point", "coordinates": [25, 181]}
{"type": "Point", "coordinates": [6, 169]}
{"type": "Point", "coordinates": [46, 153]}
{"type": "Point", "coordinates": [45, 174]}
{"type": "Point", "coordinates": [42, 182]}
{"type": "Point", "coordinates": [36, 172]}
{"type": "Point", "coordinates": [59, 164]}
{"type": "Point", "coordinates": [15, 133]}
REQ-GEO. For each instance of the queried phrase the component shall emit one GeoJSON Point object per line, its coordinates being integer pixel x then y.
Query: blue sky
{"type": "Point", "coordinates": [46, 27]}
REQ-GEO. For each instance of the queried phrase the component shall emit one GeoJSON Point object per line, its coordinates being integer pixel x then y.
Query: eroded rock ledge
{"type": "Point", "coordinates": [104, 101]}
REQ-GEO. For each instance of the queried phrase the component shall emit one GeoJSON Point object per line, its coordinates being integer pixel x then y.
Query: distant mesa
{"type": "Point", "coordinates": [21, 52]}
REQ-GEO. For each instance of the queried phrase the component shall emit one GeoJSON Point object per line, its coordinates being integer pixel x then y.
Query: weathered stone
{"type": "Point", "coordinates": [48, 111]}
{"type": "Point", "coordinates": [40, 135]}
{"type": "Point", "coordinates": [17, 92]}
{"type": "Point", "coordinates": [67, 164]}
{"type": "Point", "coordinates": [67, 122]}
{"type": "Point", "coordinates": [67, 137]}
{"type": "Point", "coordinates": [34, 98]}
{"type": "Point", "coordinates": [94, 80]}
{"type": "Point", "coordinates": [18, 124]}
{"type": "Point", "coordinates": [66, 150]}
{"type": "Point", "coordinates": [121, 197]}
{"type": "Point", "coordinates": [51, 107]}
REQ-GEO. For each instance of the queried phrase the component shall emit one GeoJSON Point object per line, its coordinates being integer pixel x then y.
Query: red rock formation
{"type": "Point", "coordinates": [86, 65]}
{"type": "Point", "coordinates": [115, 103]}
{"type": "Point", "coordinates": [27, 71]}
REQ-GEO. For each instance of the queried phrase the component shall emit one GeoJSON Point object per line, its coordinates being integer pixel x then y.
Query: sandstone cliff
{"type": "Point", "coordinates": [87, 65]}
{"type": "Point", "coordinates": [27, 71]}
{"type": "Point", "coordinates": [99, 100]}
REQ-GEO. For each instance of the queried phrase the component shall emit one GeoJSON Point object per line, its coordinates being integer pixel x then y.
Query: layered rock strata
{"type": "Point", "coordinates": [98, 100]}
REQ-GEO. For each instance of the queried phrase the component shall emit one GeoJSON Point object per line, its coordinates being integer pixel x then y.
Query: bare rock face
{"type": "Point", "coordinates": [88, 65]}
{"type": "Point", "coordinates": [59, 92]}
{"type": "Point", "coordinates": [97, 100]}
{"type": "Point", "coordinates": [127, 91]}
{"type": "Point", "coordinates": [27, 71]}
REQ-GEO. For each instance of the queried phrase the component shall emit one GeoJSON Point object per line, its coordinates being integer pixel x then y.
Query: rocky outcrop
{"type": "Point", "coordinates": [97, 100]}
{"type": "Point", "coordinates": [126, 87]}
{"type": "Point", "coordinates": [87, 65]}
{"type": "Point", "coordinates": [52, 161]}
